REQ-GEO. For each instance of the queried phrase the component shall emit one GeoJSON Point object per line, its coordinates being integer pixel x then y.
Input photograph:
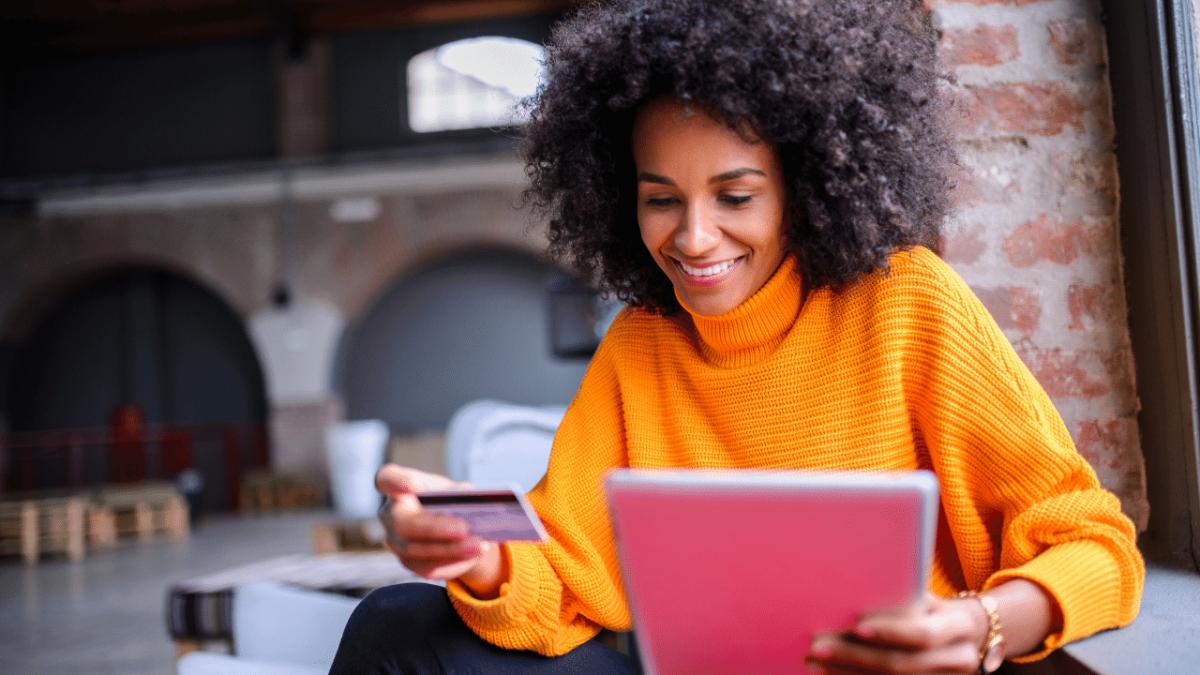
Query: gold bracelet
{"type": "Point", "coordinates": [991, 652]}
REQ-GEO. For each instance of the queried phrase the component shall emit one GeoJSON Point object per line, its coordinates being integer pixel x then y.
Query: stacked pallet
{"type": "Point", "coordinates": [347, 536]}
{"type": "Point", "coordinates": [266, 491]}
{"type": "Point", "coordinates": [144, 510]}
{"type": "Point", "coordinates": [36, 523]}
{"type": "Point", "coordinates": [101, 526]}
{"type": "Point", "coordinates": [32, 527]}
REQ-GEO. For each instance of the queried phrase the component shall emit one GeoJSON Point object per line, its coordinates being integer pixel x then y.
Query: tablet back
{"type": "Point", "coordinates": [733, 572]}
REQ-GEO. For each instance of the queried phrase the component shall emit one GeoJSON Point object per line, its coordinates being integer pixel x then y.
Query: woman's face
{"type": "Point", "coordinates": [710, 205]}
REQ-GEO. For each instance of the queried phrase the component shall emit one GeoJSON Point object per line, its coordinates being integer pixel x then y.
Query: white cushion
{"type": "Point", "coordinates": [274, 622]}
{"type": "Point", "coordinates": [490, 443]}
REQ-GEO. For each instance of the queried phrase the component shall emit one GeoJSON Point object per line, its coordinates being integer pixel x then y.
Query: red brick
{"type": "Point", "coordinates": [966, 187]}
{"type": "Point", "coordinates": [1061, 242]}
{"type": "Point", "coordinates": [1089, 181]}
{"type": "Point", "coordinates": [1113, 448]}
{"type": "Point", "coordinates": [1077, 41]}
{"type": "Point", "coordinates": [997, 302]}
{"type": "Point", "coordinates": [990, 171]}
{"type": "Point", "coordinates": [1032, 108]}
{"type": "Point", "coordinates": [983, 45]}
{"type": "Point", "coordinates": [1026, 306]}
{"type": "Point", "coordinates": [1103, 442]}
{"type": "Point", "coordinates": [1013, 307]}
{"type": "Point", "coordinates": [1085, 374]}
{"type": "Point", "coordinates": [962, 246]}
{"type": "Point", "coordinates": [1094, 306]}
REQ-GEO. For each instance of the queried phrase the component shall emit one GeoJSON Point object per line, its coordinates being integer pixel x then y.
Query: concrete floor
{"type": "Point", "coordinates": [104, 614]}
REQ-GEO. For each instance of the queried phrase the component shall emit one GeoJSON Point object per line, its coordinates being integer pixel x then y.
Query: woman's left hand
{"type": "Point", "coordinates": [939, 634]}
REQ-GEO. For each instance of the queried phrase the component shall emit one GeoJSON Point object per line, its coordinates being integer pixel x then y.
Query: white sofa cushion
{"type": "Point", "coordinates": [490, 443]}
{"type": "Point", "coordinates": [278, 623]}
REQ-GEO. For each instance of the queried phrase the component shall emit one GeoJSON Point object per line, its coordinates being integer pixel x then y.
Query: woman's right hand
{"type": "Point", "coordinates": [434, 546]}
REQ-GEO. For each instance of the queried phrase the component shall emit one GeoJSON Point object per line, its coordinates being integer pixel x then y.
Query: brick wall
{"type": "Point", "coordinates": [336, 269]}
{"type": "Point", "coordinates": [1035, 233]}
{"type": "Point", "coordinates": [238, 250]}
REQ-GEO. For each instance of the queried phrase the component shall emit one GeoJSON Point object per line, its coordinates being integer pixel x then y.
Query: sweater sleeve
{"type": "Point", "coordinates": [560, 593]}
{"type": "Point", "coordinates": [1020, 500]}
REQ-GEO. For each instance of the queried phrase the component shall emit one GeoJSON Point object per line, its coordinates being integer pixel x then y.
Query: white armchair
{"type": "Point", "coordinates": [493, 443]}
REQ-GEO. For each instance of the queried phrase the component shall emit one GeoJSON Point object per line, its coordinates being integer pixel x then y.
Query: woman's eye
{"type": "Point", "coordinates": [660, 201]}
{"type": "Point", "coordinates": [734, 200]}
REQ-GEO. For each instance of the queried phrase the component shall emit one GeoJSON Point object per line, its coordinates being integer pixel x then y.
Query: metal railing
{"type": "Point", "coordinates": [83, 458]}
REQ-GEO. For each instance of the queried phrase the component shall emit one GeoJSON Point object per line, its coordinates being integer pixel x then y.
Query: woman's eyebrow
{"type": "Point", "coordinates": [647, 177]}
{"type": "Point", "coordinates": [736, 173]}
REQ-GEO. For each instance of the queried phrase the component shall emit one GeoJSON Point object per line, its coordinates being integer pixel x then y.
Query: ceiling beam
{"type": "Point", "coordinates": [34, 31]}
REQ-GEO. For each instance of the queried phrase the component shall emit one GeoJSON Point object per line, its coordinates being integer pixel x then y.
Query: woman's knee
{"type": "Point", "coordinates": [397, 615]}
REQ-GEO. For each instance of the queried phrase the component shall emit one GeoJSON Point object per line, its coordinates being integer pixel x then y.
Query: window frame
{"type": "Point", "coordinates": [387, 128]}
{"type": "Point", "coordinates": [1153, 74]}
{"type": "Point", "coordinates": [407, 86]}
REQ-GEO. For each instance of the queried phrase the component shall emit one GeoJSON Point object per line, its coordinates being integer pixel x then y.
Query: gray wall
{"type": "Point", "coordinates": [143, 336]}
{"type": "Point", "coordinates": [138, 110]}
{"type": "Point", "coordinates": [470, 327]}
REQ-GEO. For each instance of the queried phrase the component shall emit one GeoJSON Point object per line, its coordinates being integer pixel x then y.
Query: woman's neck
{"type": "Point", "coordinates": [754, 328]}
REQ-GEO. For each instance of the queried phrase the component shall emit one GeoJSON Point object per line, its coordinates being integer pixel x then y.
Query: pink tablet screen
{"type": "Point", "coordinates": [737, 579]}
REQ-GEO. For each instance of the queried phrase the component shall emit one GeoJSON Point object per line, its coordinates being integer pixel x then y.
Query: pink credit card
{"type": "Point", "coordinates": [492, 515]}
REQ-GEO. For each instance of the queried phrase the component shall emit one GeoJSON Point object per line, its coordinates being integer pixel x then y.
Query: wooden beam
{"type": "Point", "coordinates": [32, 31]}
{"type": "Point", "coordinates": [381, 14]}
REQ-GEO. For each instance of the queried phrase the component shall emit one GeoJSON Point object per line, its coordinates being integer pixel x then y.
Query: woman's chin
{"type": "Point", "coordinates": [709, 304]}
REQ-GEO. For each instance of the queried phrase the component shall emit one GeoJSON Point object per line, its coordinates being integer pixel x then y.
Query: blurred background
{"type": "Point", "coordinates": [250, 249]}
{"type": "Point", "coordinates": [226, 227]}
{"type": "Point", "coordinates": [237, 222]}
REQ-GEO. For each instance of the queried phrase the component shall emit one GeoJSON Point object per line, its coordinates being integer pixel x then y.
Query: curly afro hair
{"type": "Point", "coordinates": [845, 90]}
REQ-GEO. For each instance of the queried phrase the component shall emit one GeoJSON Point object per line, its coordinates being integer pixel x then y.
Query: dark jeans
{"type": "Point", "coordinates": [412, 628]}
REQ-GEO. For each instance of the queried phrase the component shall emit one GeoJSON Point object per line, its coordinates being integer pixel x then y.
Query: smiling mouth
{"type": "Point", "coordinates": [710, 272]}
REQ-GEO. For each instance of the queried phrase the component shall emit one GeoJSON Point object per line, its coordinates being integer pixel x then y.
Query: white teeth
{"type": "Point", "coordinates": [708, 271]}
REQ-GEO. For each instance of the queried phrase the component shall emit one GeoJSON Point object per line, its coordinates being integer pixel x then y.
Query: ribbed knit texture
{"type": "Point", "coordinates": [903, 370]}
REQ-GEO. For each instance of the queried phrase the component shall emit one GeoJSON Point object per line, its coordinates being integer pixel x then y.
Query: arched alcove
{"type": "Point", "coordinates": [143, 336]}
{"type": "Point", "coordinates": [466, 326]}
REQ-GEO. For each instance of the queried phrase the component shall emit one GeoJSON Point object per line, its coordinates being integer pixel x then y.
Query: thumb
{"type": "Point", "coordinates": [394, 480]}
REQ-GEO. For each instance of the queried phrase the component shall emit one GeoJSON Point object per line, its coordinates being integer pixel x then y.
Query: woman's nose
{"type": "Point", "coordinates": [697, 234]}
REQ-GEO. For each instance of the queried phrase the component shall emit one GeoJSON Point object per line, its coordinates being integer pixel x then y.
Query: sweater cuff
{"type": "Point", "coordinates": [517, 597]}
{"type": "Point", "coordinates": [1084, 581]}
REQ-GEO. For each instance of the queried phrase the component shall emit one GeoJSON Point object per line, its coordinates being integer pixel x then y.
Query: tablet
{"type": "Point", "coordinates": [735, 571]}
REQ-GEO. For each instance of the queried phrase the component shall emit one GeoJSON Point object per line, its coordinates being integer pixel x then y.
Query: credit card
{"type": "Point", "coordinates": [491, 515]}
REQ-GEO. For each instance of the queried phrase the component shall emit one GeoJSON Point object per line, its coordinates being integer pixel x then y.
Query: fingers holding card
{"type": "Point", "coordinates": [491, 515]}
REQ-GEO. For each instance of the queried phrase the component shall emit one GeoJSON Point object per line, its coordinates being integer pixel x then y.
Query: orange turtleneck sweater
{"type": "Point", "coordinates": [903, 370]}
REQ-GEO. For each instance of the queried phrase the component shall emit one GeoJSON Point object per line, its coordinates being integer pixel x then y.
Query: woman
{"type": "Point", "coordinates": [761, 182]}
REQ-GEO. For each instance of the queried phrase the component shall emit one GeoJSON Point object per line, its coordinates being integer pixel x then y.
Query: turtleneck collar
{"type": "Point", "coordinates": [754, 328]}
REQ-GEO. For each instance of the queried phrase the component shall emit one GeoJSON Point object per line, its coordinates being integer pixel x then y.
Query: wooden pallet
{"type": "Point", "coordinates": [97, 520]}
{"type": "Point", "coordinates": [144, 510]}
{"type": "Point", "coordinates": [343, 536]}
{"type": "Point", "coordinates": [263, 491]}
{"type": "Point", "coordinates": [32, 527]}
{"type": "Point", "coordinates": [101, 525]}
